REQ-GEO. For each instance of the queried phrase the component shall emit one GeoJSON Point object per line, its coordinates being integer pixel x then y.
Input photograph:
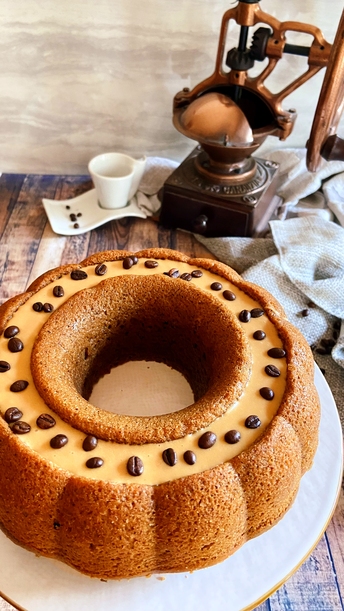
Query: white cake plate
{"type": "Point", "coordinates": [246, 579]}
{"type": "Point", "coordinates": [92, 215]}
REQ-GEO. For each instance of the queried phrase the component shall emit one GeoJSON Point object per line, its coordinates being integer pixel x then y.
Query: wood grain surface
{"type": "Point", "coordinates": [28, 247]}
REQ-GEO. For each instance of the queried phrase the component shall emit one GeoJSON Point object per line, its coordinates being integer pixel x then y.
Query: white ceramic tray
{"type": "Point", "coordinates": [245, 579]}
{"type": "Point", "coordinates": [92, 215]}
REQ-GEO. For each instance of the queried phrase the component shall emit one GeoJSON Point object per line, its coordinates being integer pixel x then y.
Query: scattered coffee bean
{"type": "Point", "coordinates": [72, 217]}
{"type": "Point", "coordinates": [305, 312]}
{"type": "Point", "coordinates": [150, 265]}
{"type": "Point", "coordinates": [277, 353]}
{"type": "Point", "coordinates": [135, 466]}
{"type": "Point", "coordinates": [58, 441]}
{"type": "Point", "coordinates": [15, 344]}
{"type": "Point", "coordinates": [4, 366]}
{"type": "Point", "coordinates": [245, 316]}
{"type": "Point", "coordinates": [257, 312]}
{"type": "Point", "coordinates": [79, 214]}
{"type": "Point", "coordinates": [11, 331]}
{"type": "Point", "coordinates": [45, 421]}
{"type": "Point", "coordinates": [101, 269]}
{"type": "Point", "coordinates": [21, 428]}
{"type": "Point", "coordinates": [196, 273]}
{"type": "Point", "coordinates": [232, 437]}
{"type": "Point", "coordinates": [19, 385]}
{"type": "Point", "coordinates": [58, 291]}
{"type": "Point", "coordinates": [78, 274]}
{"type": "Point", "coordinates": [310, 304]}
{"type": "Point", "coordinates": [127, 263]}
{"type": "Point", "coordinates": [67, 207]}
{"type": "Point", "coordinates": [252, 422]}
{"type": "Point", "coordinates": [207, 440]}
{"type": "Point", "coordinates": [327, 342]}
{"type": "Point", "coordinates": [12, 414]}
{"type": "Point", "coordinates": [189, 456]}
{"type": "Point", "coordinates": [38, 306]}
{"type": "Point", "coordinates": [48, 307]}
{"type": "Point", "coordinates": [173, 273]}
{"type": "Point", "coordinates": [272, 371]}
{"type": "Point", "coordinates": [216, 286]}
{"type": "Point", "coordinates": [267, 393]}
{"type": "Point", "coordinates": [186, 277]}
{"type": "Point", "coordinates": [170, 457]}
{"type": "Point", "coordinates": [90, 443]}
{"type": "Point", "coordinates": [94, 463]}
{"type": "Point", "coordinates": [76, 225]}
{"type": "Point", "coordinates": [259, 335]}
{"type": "Point", "coordinates": [134, 259]}
{"type": "Point", "coordinates": [229, 295]}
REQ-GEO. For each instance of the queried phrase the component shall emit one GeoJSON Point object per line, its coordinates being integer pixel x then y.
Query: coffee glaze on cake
{"type": "Point", "coordinates": [120, 496]}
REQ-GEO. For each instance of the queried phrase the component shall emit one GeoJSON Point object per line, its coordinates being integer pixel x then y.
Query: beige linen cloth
{"type": "Point", "coordinates": [302, 259]}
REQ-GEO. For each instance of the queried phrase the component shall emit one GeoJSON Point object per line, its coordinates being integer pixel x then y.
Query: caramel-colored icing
{"type": "Point", "coordinates": [72, 457]}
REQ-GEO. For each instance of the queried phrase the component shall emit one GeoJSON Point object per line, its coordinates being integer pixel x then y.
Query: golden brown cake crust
{"type": "Point", "coordinates": [114, 530]}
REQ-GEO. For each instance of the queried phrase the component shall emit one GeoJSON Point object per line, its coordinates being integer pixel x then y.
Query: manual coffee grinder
{"type": "Point", "coordinates": [221, 189]}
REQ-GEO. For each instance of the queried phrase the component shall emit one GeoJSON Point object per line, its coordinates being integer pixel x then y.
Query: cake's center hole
{"type": "Point", "coordinates": [142, 388]}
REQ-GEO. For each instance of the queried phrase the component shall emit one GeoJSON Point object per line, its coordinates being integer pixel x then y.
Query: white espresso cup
{"type": "Point", "coordinates": [116, 177]}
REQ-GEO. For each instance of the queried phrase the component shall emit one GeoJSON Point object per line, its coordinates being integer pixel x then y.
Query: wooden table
{"type": "Point", "coordinates": [28, 247]}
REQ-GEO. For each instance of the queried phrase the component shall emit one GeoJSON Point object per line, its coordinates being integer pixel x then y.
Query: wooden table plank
{"type": "Point", "coordinates": [28, 247]}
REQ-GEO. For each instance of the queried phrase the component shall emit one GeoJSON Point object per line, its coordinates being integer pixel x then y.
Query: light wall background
{"type": "Point", "coordinates": [80, 77]}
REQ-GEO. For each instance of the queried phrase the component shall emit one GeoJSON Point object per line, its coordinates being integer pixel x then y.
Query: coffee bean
{"type": "Point", "coordinates": [272, 371]}
{"type": "Point", "coordinates": [94, 463]}
{"type": "Point", "coordinates": [15, 344]}
{"type": "Point", "coordinates": [67, 207]}
{"type": "Point", "coordinates": [72, 217]}
{"type": "Point", "coordinates": [127, 263]}
{"type": "Point", "coordinates": [327, 342]}
{"type": "Point", "coordinates": [150, 265]}
{"type": "Point", "coordinates": [189, 456]}
{"type": "Point", "coordinates": [186, 277]}
{"type": "Point", "coordinates": [259, 335]}
{"type": "Point", "coordinates": [267, 393]}
{"type": "Point", "coordinates": [277, 353]}
{"type": "Point", "coordinates": [48, 307]}
{"type": "Point", "coordinates": [76, 225]}
{"type": "Point", "coordinates": [245, 316]}
{"type": "Point", "coordinates": [257, 312]}
{"type": "Point", "coordinates": [196, 273]}
{"type": "Point", "coordinates": [216, 286]}
{"type": "Point", "coordinates": [310, 304]}
{"type": "Point", "coordinates": [45, 421]}
{"type": "Point", "coordinates": [101, 269]}
{"type": "Point", "coordinates": [79, 214]}
{"type": "Point", "coordinates": [90, 443]}
{"type": "Point", "coordinates": [170, 457]}
{"type": "Point", "coordinates": [4, 366]}
{"type": "Point", "coordinates": [134, 259]}
{"type": "Point", "coordinates": [322, 351]}
{"type": "Point", "coordinates": [207, 440]}
{"type": "Point", "coordinates": [11, 331]}
{"type": "Point", "coordinates": [19, 385]}
{"type": "Point", "coordinates": [58, 291]}
{"type": "Point", "coordinates": [252, 422]}
{"type": "Point", "coordinates": [78, 274]}
{"type": "Point", "coordinates": [305, 312]}
{"type": "Point", "coordinates": [135, 466]}
{"type": "Point", "coordinates": [174, 273]}
{"type": "Point", "coordinates": [232, 436]}
{"type": "Point", "coordinates": [12, 414]}
{"type": "Point", "coordinates": [58, 441]}
{"type": "Point", "coordinates": [21, 428]}
{"type": "Point", "coordinates": [38, 306]}
{"type": "Point", "coordinates": [229, 295]}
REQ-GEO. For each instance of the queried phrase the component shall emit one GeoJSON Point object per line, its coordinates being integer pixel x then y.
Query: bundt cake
{"type": "Point", "coordinates": [117, 496]}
